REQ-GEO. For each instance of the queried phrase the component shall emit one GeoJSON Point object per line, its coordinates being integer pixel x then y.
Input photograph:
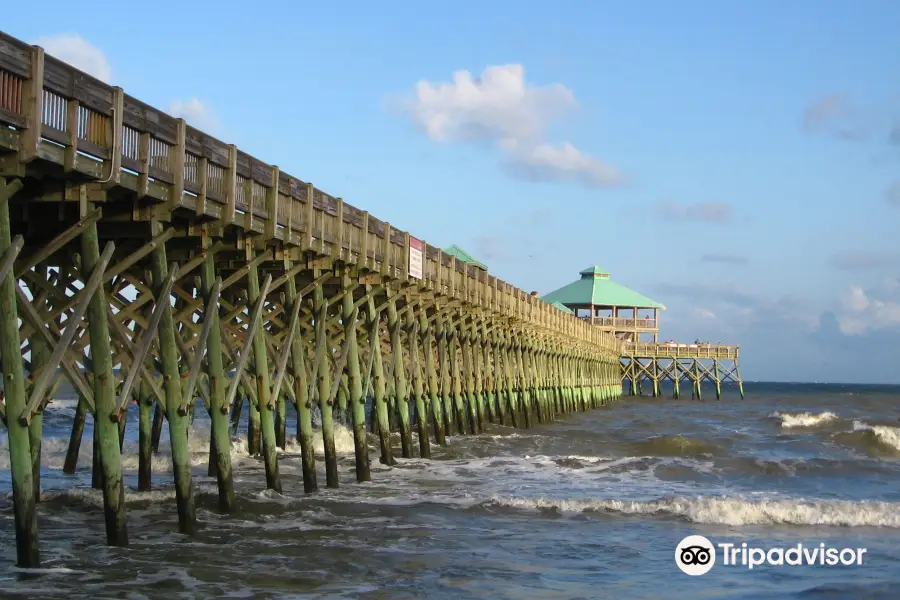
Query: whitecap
{"type": "Point", "coordinates": [734, 511]}
{"type": "Point", "coordinates": [803, 419]}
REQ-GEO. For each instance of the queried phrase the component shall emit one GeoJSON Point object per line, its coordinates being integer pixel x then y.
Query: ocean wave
{"type": "Point", "coordinates": [674, 445]}
{"type": "Point", "coordinates": [886, 435]}
{"type": "Point", "coordinates": [730, 511]}
{"type": "Point", "coordinates": [804, 419]}
{"type": "Point", "coordinates": [797, 467]}
{"type": "Point", "coordinates": [874, 440]}
{"type": "Point", "coordinates": [54, 449]}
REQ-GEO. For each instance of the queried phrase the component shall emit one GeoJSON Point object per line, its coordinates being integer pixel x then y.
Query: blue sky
{"type": "Point", "coordinates": [734, 161]}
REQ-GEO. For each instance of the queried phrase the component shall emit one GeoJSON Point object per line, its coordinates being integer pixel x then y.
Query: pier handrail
{"type": "Point", "coordinates": [638, 323]}
{"type": "Point", "coordinates": [55, 112]}
{"type": "Point", "coordinates": [679, 350]}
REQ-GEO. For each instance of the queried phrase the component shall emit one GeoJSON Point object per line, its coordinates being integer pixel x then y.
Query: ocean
{"type": "Point", "coordinates": [591, 506]}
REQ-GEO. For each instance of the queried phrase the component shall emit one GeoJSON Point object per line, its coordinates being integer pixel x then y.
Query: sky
{"type": "Point", "coordinates": [737, 161]}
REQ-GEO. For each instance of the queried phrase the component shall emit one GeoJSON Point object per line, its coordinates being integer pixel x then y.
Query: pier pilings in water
{"type": "Point", "coordinates": [142, 260]}
{"type": "Point", "coordinates": [695, 364]}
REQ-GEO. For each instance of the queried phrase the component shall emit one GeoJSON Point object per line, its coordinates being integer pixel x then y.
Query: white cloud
{"type": "Point", "coordinates": [197, 114]}
{"type": "Point", "coordinates": [496, 106]}
{"type": "Point", "coordinates": [501, 108]}
{"type": "Point", "coordinates": [561, 162]}
{"type": "Point", "coordinates": [78, 52]}
{"type": "Point", "coordinates": [862, 312]}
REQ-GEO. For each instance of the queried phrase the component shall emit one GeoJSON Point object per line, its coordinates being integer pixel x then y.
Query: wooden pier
{"type": "Point", "coordinates": [674, 362]}
{"type": "Point", "coordinates": [144, 260]}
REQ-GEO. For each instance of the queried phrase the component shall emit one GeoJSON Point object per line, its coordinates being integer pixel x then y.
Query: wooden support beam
{"type": "Point", "coordinates": [58, 242]}
{"type": "Point", "coordinates": [194, 371]}
{"type": "Point", "coordinates": [24, 500]}
{"type": "Point", "coordinates": [72, 326]}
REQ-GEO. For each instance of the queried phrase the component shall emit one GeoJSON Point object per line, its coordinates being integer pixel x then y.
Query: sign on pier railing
{"type": "Point", "coordinates": [416, 258]}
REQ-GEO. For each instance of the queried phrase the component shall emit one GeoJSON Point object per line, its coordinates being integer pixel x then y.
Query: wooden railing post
{"type": "Point", "coordinates": [176, 164]}
{"type": "Point", "coordinates": [32, 106]}
{"type": "Point", "coordinates": [114, 144]}
{"type": "Point", "coordinates": [230, 186]}
{"type": "Point", "coordinates": [271, 229]}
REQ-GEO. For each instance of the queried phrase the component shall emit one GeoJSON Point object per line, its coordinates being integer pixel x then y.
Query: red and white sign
{"type": "Point", "coordinates": [416, 258]}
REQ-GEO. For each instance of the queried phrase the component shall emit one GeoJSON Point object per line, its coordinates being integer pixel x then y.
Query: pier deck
{"type": "Point", "coordinates": [144, 260]}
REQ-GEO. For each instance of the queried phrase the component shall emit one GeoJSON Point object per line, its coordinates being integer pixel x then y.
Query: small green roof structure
{"type": "Point", "coordinates": [464, 256]}
{"type": "Point", "coordinates": [562, 307]}
{"type": "Point", "coordinates": [595, 288]}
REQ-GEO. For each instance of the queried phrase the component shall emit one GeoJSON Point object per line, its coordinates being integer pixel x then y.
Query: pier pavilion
{"type": "Point", "coordinates": [610, 306]}
{"type": "Point", "coordinates": [634, 319]}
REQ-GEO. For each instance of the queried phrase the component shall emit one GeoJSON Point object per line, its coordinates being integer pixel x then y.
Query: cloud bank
{"type": "Point", "coordinates": [500, 108]}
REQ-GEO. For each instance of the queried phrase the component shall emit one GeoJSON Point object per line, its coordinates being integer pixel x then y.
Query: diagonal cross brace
{"type": "Point", "coordinates": [248, 344]}
{"type": "Point", "coordinates": [319, 355]}
{"type": "Point", "coordinates": [373, 340]}
{"type": "Point", "coordinates": [120, 332]}
{"type": "Point", "coordinates": [9, 258]}
{"type": "Point", "coordinates": [194, 372]}
{"type": "Point", "coordinates": [338, 372]}
{"type": "Point", "coordinates": [59, 241]}
{"type": "Point", "coordinates": [140, 355]}
{"type": "Point", "coordinates": [285, 352]}
{"type": "Point", "coordinates": [67, 363]}
{"type": "Point", "coordinates": [40, 386]}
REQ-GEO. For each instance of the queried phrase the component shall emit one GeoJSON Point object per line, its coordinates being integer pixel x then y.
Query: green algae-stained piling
{"type": "Point", "coordinates": [27, 553]}
{"type": "Point", "coordinates": [168, 266]}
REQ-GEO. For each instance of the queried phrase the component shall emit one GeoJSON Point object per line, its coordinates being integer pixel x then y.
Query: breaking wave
{"type": "Point", "coordinates": [804, 419]}
{"type": "Point", "coordinates": [874, 440]}
{"type": "Point", "coordinates": [730, 511]}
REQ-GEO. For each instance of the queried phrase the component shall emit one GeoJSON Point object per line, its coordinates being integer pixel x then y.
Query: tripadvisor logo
{"type": "Point", "coordinates": [696, 555]}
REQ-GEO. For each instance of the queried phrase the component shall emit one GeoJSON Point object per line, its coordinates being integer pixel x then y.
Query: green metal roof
{"type": "Point", "coordinates": [562, 307]}
{"type": "Point", "coordinates": [595, 270]}
{"type": "Point", "coordinates": [595, 287]}
{"type": "Point", "coordinates": [464, 256]}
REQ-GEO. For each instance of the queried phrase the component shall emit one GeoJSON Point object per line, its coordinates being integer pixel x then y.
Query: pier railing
{"type": "Point", "coordinates": [679, 350]}
{"type": "Point", "coordinates": [624, 323]}
{"type": "Point", "coordinates": [55, 112]}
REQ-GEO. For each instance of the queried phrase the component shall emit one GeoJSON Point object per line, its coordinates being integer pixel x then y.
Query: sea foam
{"type": "Point", "coordinates": [804, 419]}
{"type": "Point", "coordinates": [732, 511]}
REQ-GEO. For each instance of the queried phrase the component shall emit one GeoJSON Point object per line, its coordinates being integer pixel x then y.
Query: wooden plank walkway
{"type": "Point", "coordinates": [144, 260]}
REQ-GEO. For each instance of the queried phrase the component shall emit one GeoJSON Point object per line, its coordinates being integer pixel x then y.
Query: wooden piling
{"type": "Point", "coordinates": [24, 500]}
{"type": "Point", "coordinates": [40, 357]}
{"type": "Point", "coordinates": [379, 381]}
{"type": "Point", "coordinates": [178, 426]}
{"type": "Point", "coordinates": [323, 352]}
{"type": "Point", "coordinates": [145, 446]}
{"type": "Point", "coordinates": [265, 407]}
{"type": "Point", "coordinates": [443, 341]}
{"type": "Point", "coordinates": [219, 440]}
{"type": "Point", "coordinates": [457, 379]}
{"type": "Point", "coordinates": [434, 398]}
{"type": "Point", "coordinates": [302, 388]}
{"type": "Point", "coordinates": [401, 389]}
{"type": "Point", "coordinates": [356, 399]}
{"type": "Point", "coordinates": [412, 336]}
